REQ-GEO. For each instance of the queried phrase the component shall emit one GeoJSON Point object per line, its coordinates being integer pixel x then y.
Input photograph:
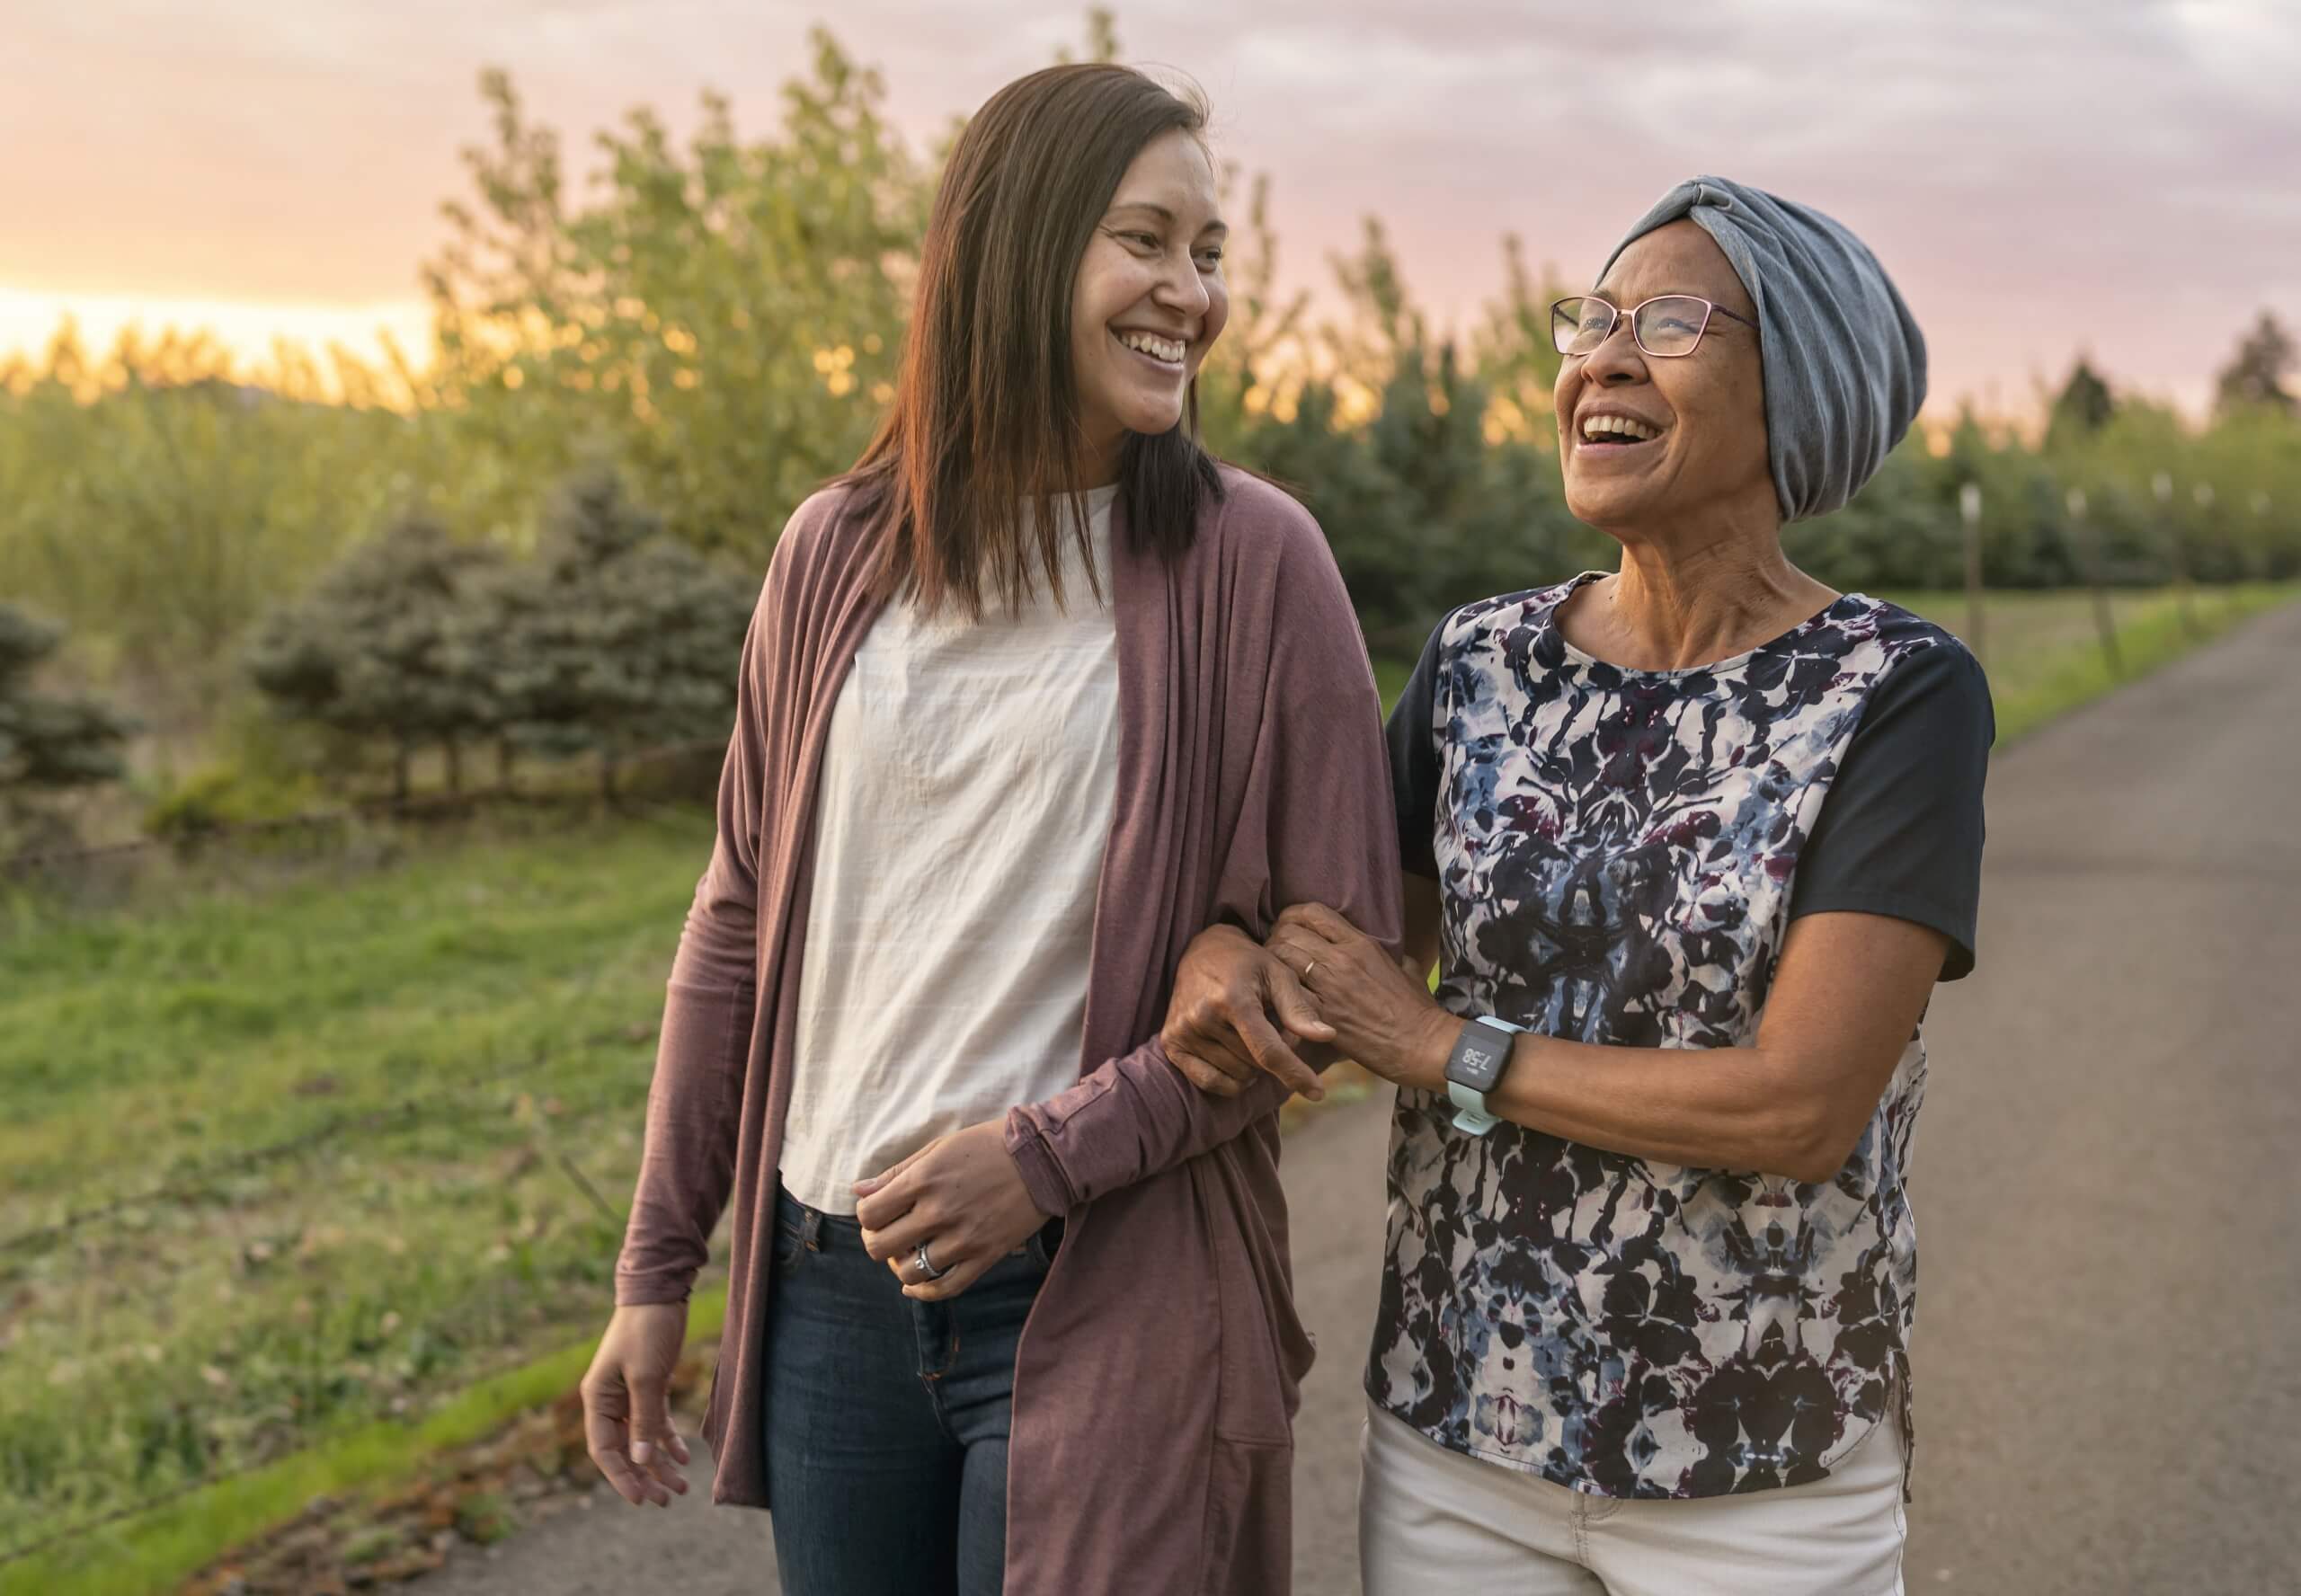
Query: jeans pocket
{"type": "Point", "coordinates": [1044, 1243]}
{"type": "Point", "coordinates": [790, 1243]}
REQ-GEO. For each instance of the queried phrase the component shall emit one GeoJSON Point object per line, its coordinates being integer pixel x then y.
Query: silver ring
{"type": "Point", "coordinates": [1313, 964]}
{"type": "Point", "coordinates": [927, 1264]}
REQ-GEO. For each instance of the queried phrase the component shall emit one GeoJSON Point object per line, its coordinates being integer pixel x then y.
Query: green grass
{"type": "Point", "coordinates": [422, 1044]}
{"type": "Point", "coordinates": [2042, 651]}
{"type": "Point", "coordinates": [427, 1043]}
{"type": "Point", "coordinates": [1389, 679]}
{"type": "Point", "coordinates": [172, 1542]}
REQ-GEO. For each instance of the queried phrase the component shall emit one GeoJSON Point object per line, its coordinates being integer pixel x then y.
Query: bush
{"type": "Point", "coordinates": [223, 797]}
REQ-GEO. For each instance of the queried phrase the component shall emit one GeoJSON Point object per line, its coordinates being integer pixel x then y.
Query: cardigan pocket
{"type": "Point", "coordinates": [1262, 1351]}
{"type": "Point", "coordinates": [1249, 1517]}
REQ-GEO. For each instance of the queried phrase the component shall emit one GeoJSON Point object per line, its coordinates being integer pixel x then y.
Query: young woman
{"type": "Point", "coordinates": [1033, 696]}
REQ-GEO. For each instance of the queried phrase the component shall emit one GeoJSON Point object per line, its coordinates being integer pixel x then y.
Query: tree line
{"type": "Point", "coordinates": [612, 639]}
{"type": "Point", "coordinates": [712, 323]}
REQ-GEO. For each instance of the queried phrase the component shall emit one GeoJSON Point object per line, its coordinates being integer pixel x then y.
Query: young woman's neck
{"type": "Point", "coordinates": [1100, 458]}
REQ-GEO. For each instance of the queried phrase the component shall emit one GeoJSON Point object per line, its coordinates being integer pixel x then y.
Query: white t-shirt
{"type": "Point", "coordinates": [968, 785]}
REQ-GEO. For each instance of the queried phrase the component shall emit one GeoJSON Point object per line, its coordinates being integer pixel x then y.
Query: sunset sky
{"type": "Point", "coordinates": [2040, 175]}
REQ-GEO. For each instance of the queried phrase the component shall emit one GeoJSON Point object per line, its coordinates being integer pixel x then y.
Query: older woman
{"type": "Point", "coordinates": [1691, 844]}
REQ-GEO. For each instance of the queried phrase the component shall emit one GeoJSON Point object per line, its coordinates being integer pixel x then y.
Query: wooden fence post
{"type": "Point", "coordinates": [1970, 511]}
{"type": "Point", "coordinates": [2089, 543]}
{"type": "Point", "coordinates": [2184, 592]}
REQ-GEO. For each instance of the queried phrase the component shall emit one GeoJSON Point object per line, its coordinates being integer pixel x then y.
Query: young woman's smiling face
{"type": "Point", "coordinates": [1150, 299]}
{"type": "Point", "coordinates": [1644, 442]}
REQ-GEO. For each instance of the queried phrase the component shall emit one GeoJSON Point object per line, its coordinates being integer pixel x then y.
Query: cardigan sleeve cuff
{"type": "Point", "coordinates": [1034, 1161]}
{"type": "Point", "coordinates": [642, 1290]}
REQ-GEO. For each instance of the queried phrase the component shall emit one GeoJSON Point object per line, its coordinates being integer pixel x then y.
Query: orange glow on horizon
{"type": "Point", "coordinates": [246, 331]}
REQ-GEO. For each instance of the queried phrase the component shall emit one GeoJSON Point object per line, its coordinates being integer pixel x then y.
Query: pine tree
{"type": "Point", "coordinates": [2255, 374]}
{"type": "Point", "coordinates": [378, 648]}
{"type": "Point", "coordinates": [617, 638]}
{"type": "Point", "coordinates": [49, 742]}
{"type": "Point", "coordinates": [2084, 406]}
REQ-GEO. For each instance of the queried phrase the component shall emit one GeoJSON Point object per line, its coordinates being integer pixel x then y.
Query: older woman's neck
{"type": "Point", "coordinates": [1677, 606]}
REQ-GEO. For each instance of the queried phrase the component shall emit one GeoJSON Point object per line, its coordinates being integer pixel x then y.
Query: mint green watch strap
{"type": "Point", "coordinates": [1471, 1109]}
{"type": "Point", "coordinates": [1472, 1116]}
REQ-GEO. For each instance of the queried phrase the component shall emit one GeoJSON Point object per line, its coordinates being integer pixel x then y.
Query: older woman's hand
{"type": "Point", "coordinates": [1220, 1029]}
{"type": "Point", "coordinates": [1381, 1016]}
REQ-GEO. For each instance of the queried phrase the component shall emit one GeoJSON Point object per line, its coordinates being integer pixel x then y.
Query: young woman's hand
{"type": "Point", "coordinates": [627, 1404]}
{"type": "Point", "coordinates": [1219, 1031]}
{"type": "Point", "coordinates": [962, 1197]}
{"type": "Point", "coordinates": [1381, 1016]}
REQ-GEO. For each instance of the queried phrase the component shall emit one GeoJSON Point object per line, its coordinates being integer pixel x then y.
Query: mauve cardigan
{"type": "Point", "coordinates": [1156, 1384]}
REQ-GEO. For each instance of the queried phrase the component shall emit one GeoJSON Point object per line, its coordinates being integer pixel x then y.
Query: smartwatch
{"type": "Point", "coordinates": [1481, 1053]}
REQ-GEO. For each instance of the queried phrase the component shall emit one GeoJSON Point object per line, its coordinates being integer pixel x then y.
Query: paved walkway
{"type": "Point", "coordinates": [2108, 1186]}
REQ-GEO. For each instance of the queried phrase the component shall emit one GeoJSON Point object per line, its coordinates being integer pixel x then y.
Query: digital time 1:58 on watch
{"type": "Point", "coordinates": [1481, 1053]}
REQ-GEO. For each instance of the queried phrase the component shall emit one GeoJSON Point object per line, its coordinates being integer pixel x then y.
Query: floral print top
{"type": "Point", "coordinates": [1620, 855]}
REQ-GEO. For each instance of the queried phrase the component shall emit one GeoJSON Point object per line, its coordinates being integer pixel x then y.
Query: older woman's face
{"type": "Point", "coordinates": [1706, 410]}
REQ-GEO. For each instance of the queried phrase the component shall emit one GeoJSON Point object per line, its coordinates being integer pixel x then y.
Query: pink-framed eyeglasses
{"type": "Point", "coordinates": [1668, 326]}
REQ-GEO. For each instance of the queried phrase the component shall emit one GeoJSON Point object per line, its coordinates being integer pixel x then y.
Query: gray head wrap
{"type": "Point", "coordinates": [1844, 363]}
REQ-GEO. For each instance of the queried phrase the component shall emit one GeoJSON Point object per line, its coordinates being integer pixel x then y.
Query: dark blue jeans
{"type": "Point", "coordinates": [886, 1418]}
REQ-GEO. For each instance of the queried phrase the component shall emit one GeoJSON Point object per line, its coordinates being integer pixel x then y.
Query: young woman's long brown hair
{"type": "Point", "coordinates": [986, 416]}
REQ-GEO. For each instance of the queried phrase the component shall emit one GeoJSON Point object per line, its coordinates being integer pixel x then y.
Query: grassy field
{"type": "Point", "coordinates": [373, 1127]}
{"type": "Point", "coordinates": [355, 1103]}
{"type": "Point", "coordinates": [2042, 651]}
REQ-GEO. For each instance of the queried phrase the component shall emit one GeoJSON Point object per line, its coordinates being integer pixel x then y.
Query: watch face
{"type": "Point", "coordinates": [1479, 1057]}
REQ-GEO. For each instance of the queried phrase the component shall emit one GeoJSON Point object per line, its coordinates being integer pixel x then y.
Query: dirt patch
{"type": "Point", "coordinates": [469, 1499]}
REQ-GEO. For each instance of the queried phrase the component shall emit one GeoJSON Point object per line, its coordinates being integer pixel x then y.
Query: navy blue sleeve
{"type": "Point", "coordinates": [1413, 738]}
{"type": "Point", "coordinates": [1900, 831]}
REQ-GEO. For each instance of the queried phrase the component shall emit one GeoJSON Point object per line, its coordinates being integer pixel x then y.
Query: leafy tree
{"type": "Point", "coordinates": [1102, 37]}
{"type": "Point", "coordinates": [724, 317]}
{"type": "Point", "coordinates": [1252, 372]}
{"type": "Point", "coordinates": [49, 742]}
{"type": "Point", "coordinates": [1513, 351]}
{"type": "Point", "coordinates": [1382, 326]}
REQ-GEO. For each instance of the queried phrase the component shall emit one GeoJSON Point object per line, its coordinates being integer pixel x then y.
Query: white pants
{"type": "Point", "coordinates": [1431, 1520]}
